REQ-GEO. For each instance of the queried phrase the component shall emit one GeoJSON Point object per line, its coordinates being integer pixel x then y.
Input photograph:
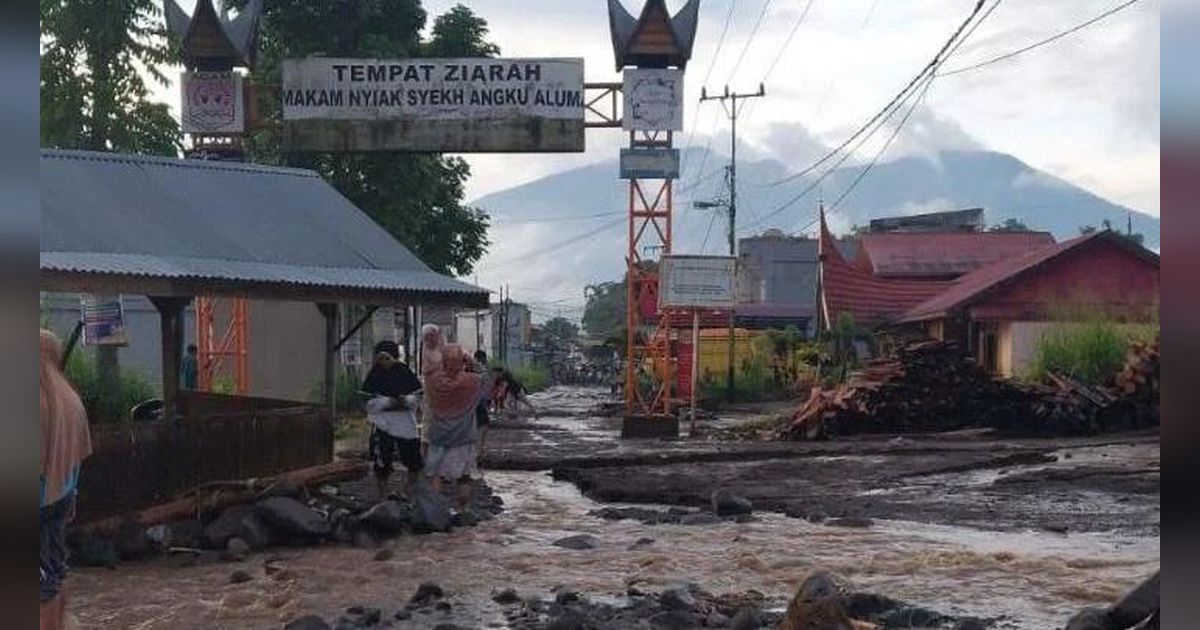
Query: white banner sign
{"type": "Point", "coordinates": [432, 89]}
{"type": "Point", "coordinates": [696, 281]}
{"type": "Point", "coordinates": [653, 99]}
{"type": "Point", "coordinates": [212, 103]}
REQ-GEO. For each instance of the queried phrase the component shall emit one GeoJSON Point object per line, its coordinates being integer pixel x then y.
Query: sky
{"type": "Point", "coordinates": [1084, 108]}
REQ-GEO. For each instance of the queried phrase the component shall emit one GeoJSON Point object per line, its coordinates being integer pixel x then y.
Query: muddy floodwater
{"type": "Point", "coordinates": [1029, 576]}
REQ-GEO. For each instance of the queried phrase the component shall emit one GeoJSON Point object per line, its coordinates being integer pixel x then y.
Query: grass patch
{"type": "Point", "coordinates": [1092, 352]}
{"type": "Point", "coordinates": [104, 406]}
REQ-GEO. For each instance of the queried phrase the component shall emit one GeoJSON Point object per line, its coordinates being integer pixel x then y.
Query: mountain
{"type": "Point", "coordinates": [556, 234]}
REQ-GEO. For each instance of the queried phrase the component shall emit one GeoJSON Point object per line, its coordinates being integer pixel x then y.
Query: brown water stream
{"type": "Point", "coordinates": [1034, 580]}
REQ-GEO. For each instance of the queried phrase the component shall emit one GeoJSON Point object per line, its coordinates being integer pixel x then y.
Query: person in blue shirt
{"type": "Point", "coordinates": [190, 369]}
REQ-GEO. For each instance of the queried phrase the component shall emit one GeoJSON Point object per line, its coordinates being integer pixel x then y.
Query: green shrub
{"type": "Point", "coordinates": [1092, 352]}
{"type": "Point", "coordinates": [534, 377]}
{"type": "Point", "coordinates": [754, 381]}
{"type": "Point", "coordinates": [133, 387]}
{"type": "Point", "coordinates": [345, 394]}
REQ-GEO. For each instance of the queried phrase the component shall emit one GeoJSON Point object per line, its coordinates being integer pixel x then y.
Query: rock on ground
{"type": "Point", "coordinates": [726, 503]}
{"type": "Point", "coordinates": [578, 542]}
{"type": "Point", "coordinates": [426, 593]}
{"type": "Point", "coordinates": [293, 518]}
{"type": "Point", "coordinates": [390, 517]}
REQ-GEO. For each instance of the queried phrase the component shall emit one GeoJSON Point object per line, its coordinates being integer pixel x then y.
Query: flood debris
{"type": "Point", "coordinates": [302, 519]}
{"type": "Point", "coordinates": [933, 386]}
{"type": "Point", "coordinates": [825, 601]}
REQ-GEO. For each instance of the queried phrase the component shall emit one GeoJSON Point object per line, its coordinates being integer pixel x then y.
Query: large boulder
{"type": "Point", "coordinates": [254, 531]}
{"type": "Point", "coordinates": [292, 518]}
{"type": "Point", "coordinates": [726, 503]}
{"type": "Point", "coordinates": [225, 526]}
{"type": "Point", "coordinates": [431, 510]}
{"type": "Point", "coordinates": [817, 606]}
{"type": "Point", "coordinates": [578, 542]}
{"type": "Point", "coordinates": [389, 517]}
{"type": "Point", "coordinates": [1138, 606]}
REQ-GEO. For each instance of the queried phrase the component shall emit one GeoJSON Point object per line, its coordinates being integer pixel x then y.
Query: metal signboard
{"type": "Point", "coordinates": [443, 105]}
{"type": "Point", "coordinates": [212, 103]}
{"type": "Point", "coordinates": [649, 163]}
{"type": "Point", "coordinates": [697, 281]}
{"type": "Point", "coordinates": [653, 99]}
{"type": "Point", "coordinates": [103, 320]}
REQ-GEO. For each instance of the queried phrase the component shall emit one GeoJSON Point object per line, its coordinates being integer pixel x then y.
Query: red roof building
{"type": "Point", "coordinates": [942, 255]}
{"type": "Point", "coordinates": [870, 300]}
{"type": "Point", "coordinates": [1002, 307]}
{"type": "Point", "coordinates": [1001, 311]}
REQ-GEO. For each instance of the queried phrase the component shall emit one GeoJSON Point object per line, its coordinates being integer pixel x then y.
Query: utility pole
{"type": "Point", "coordinates": [730, 103]}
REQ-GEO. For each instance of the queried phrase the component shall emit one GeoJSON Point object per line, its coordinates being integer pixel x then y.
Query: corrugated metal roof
{"type": "Point", "coordinates": [975, 284]}
{"type": "Point", "coordinates": [169, 218]}
{"type": "Point", "coordinates": [946, 254]}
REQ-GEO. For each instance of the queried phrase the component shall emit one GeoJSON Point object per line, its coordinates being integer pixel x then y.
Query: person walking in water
{"type": "Point", "coordinates": [482, 409]}
{"type": "Point", "coordinates": [452, 433]}
{"type": "Point", "coordinates": [391, 410]}
{"type": "Point", "coordinates": [507, 388]}
{"type": "Point", "coordinates": [66, 442]}
{"type": "Point", "coordinates": [431, 365]}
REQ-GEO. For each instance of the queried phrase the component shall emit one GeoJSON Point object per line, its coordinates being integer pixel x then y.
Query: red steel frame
{"type": "Point", "coordinates": [230, 344]}
{"type": "Point", "coordinates": [647, 349]}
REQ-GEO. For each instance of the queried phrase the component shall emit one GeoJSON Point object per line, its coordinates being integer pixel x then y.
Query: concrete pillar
{"type": "Point", "coordinates": [170, 314]}
{"type": "Point", "coordinates": [329, 385]}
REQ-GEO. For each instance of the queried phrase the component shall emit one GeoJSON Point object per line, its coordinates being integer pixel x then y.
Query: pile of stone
{"type": "Point", "coordinates": [827, 601]}
{"type": "Point", "coordinates": [289, 517]}
{"type": "Point", "coordinates": [822, 603]}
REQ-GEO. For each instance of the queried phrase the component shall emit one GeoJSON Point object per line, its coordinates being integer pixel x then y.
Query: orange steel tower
{"type": "Point", "coordinates": [652, 50]}
{"type": "Point", "coordinates": [215, 111]}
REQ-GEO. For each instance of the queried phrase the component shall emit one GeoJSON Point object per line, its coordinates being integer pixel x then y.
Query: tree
{"type": "Point", "coordinates": [561, 329]}
{"type": "Point", "coordinates": [460, 33]}
{"type": "Point", "coordinates": [1009, 225]}
{"type": "Point", "coordinates": [95, 54]}
{"type": "Point", "coordinates": [604, 311]}
{"type": "Point", "coordinates": [417, 198]}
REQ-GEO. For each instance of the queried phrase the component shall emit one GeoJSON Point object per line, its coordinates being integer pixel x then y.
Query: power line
{"type": "Point", "coordinates": [787, 42]}
{"type": "Point", "coordinates": [749, 40]}
{"type": "Point", "coordinates": [554, 219]}
{"type": "Point", "coordinates": [561, 244]}
{"type": "Point", "coordinates": [927, 73]}
{"type": "Point", "coordinates": [886, 144]}
{"type": "Point", "coordinates": [870, 14]}
{"type": "Point", "coordinates": [892, 104]}
{"type": "Point", "coordinates": [712, 63]}
{"type": "Point", "coordinates": [1038, 44]}
{"type": "Point", "coordinates": [916, 103]}
{"type": "Point", "coordinates": [707, 232]}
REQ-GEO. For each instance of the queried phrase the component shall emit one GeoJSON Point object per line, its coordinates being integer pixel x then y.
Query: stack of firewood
{"type": "Point", "coordinates": [1138, 380]}
{"type": "Point", "coordinates": [926, 386]}
{"type": "Point", "coordinates": [931, 386]}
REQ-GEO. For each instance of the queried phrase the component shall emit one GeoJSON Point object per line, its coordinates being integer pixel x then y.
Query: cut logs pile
{"type": "Point", "coordinates": [927, 386]}
{"type": "Point", "coordinates": [933, 386]}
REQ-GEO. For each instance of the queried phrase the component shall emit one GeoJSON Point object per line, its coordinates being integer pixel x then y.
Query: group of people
{"type": "Point", "coordinates": [434, 425]}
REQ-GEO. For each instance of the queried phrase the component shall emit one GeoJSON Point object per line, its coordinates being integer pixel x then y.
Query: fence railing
{"type": "Point", "coordinates": [136, 465]}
